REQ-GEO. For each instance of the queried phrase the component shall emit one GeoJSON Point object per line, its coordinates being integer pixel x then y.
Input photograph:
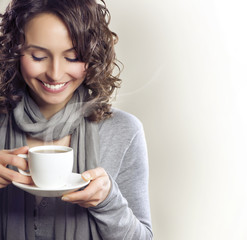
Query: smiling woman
{"type": "Point", "coordinates": [89, 41]}
{"type": "Point", "coordinates": [56, 80]}
{"type": "Point", "coordinates": [50, 67]}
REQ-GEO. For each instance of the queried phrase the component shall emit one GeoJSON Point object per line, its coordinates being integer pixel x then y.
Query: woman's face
{"type": "Point", "coordinates": [49, 63]}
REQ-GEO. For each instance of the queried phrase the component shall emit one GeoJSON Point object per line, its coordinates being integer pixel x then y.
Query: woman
{"type": "Point", "coordinates": [57, 59]}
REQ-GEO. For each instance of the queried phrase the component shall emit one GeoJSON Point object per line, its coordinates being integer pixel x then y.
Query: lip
{"type": "Point", "coordinates": [54, 90]}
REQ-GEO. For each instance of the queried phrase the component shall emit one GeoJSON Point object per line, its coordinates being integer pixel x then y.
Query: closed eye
{"type": "Point", "coordinates": [71, 59]}
{"type": "Point", "coordinates": [38, 59]}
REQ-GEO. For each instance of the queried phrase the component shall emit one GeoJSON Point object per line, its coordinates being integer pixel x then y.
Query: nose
{"type": "Point", "coordinates": [55, 71]}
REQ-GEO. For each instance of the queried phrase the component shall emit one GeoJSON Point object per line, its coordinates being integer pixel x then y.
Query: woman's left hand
{"type": "Point", "coordinates": [95, 193]}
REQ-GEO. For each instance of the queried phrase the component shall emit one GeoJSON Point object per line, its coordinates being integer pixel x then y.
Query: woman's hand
{"type": "Point", "coordinates": [95, 193]}
{"type": "Point", "coordinates": [9, 157]}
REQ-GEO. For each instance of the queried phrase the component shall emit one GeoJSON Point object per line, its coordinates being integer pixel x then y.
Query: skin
{"type": "Point", "coordinates": [52, 72]}
{"type": "Point", "coordinates": [49, 58]}
{"type": "Point", "coordinates": [8, 157]}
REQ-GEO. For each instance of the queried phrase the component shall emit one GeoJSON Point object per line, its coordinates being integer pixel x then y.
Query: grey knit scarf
{"type": "Point", "coordinates": [16, 206]}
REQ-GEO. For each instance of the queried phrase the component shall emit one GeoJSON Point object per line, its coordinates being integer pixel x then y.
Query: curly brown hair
{"type": "Point", "coordinates": [88, 24]}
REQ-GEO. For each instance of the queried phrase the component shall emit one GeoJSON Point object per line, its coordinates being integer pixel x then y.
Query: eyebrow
{"type": "Point", "coordinates": [47, 50]}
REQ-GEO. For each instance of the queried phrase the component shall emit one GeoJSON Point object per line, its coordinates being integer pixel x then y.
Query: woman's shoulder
{"type": "Point", "coordinates": [121, 122]}
{"type": "Point", "coordinates": [123, 119]}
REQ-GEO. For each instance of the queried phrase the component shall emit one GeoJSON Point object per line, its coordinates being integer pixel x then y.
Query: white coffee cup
{"type": "Point", "coordinates": [50, 166]}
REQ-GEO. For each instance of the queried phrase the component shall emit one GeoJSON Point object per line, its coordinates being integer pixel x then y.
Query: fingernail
{"type": "Point", "coordinates": [64, 198]}
{"type": "Point", "coordinates": [86, 176]}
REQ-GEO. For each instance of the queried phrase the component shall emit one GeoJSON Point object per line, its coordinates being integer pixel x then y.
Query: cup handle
{"type": "Point", "coordinates": [26, 172]}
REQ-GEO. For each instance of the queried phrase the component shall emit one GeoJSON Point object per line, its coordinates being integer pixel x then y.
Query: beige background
{"type": "Point", "coordinates": [185, 78]}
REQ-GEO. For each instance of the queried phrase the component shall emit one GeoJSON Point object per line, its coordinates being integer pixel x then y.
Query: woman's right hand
{"type": "Point", "coordinates": [9, 157]}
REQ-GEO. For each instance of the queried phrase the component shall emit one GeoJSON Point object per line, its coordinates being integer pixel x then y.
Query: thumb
{"type": "Point", "coordinates": [93, 173]}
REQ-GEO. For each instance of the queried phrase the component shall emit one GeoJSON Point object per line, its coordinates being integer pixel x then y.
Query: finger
{"type": "Point", "coordinates": [87, 204]}
{"type": "Point", "coordinates": [83, 195]}
{"type": "Point", "coordinates": [8, 157]}
{"type": "Point", "coordinates": [20, 150]}
{"type": "Point", "coordinates": [16, 151]}
{"type": "Point", "coordinates": [3, 185]}
{"type": "Point", "coordinates": [93, 173]}
{"type": "Point", "coordinates": [83, 203]}
{"type": "Point", "coordinates": [91, 196]}
{"type": "Point", "coordinates": [11, 175]}
{"type": "Point", "coordinates": [13, 160]}
{"type": "Point", "coordinates": [4, 182]}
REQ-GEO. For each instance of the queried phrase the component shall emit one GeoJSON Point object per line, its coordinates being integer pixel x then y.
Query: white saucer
{"type": "Point", "coordinates": [75, 183]}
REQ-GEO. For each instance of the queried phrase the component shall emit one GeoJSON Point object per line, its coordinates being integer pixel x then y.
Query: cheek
{"type": "Point", "coordinates": [78, 70]}
{"type": "Point", "coordinates": [29, 68]}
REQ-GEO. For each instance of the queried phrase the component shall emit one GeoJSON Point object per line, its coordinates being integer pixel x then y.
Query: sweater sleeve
{"type": "Point", "coordinates": [125, 213]}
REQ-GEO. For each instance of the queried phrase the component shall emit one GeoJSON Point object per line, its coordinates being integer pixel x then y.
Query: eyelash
{"type": "Point", "coordinates": [42, 58]}
{"type": "Point", "coordinates": [72, 60]}
{"type": "Point", "coordinates": [38, 59]}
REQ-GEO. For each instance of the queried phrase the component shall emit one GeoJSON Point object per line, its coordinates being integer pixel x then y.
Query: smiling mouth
{"type": "Point", "coordinates": [54, 86]}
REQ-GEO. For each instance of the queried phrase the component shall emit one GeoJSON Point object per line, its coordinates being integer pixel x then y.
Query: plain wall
{"type": "Point", "coordinates": [185, 79]}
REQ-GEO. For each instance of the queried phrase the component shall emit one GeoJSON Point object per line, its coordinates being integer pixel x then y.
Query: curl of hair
{"type": "Point", "coordinates": [88, 24]}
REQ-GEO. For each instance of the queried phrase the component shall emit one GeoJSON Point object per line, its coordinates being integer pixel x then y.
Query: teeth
{"type": "Point", "coordinates": [54, 87]}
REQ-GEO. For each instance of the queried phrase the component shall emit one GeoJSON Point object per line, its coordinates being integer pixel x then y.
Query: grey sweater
{"type": "Point", "coordinates": [125, 213]}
